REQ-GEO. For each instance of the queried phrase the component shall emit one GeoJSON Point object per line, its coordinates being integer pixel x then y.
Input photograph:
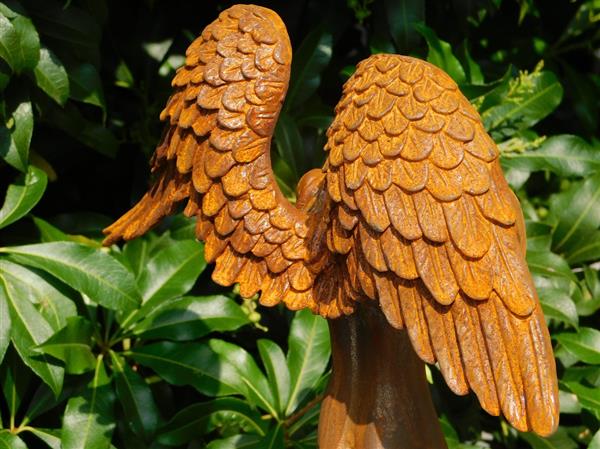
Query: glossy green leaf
{"type": "Point", "coordinates": [586, 251]}
{"type": "Point", "coordinates": [565, 155]}
{"type": "Point", "coordinates": [73, 345]}
{"type": "Point", "coordinates": [578, 215]}
{"type": "Point", "coordinates": [539, 236]}
{"type": "Point", "coordinates": [15, 379]}
{"type": "Point", "coordinates": [546, 263]}
{"type": "Point", "coordinates": [93, 272]}
{"type": "Point", "coordinates": [559, 440]}
{"type": "Point", "coordinates": [309, 61]}
{"type": "Point", "coordinates": [440, 54]}
{"type": "Point", "coordinates": [401, 16]}
{"type": "Point", "coordinates": [274, 439]}
{"type": "Point", "coordinates": [49, 436]}
{"type": "Point", "coordinates": [136, 253]}
{"type": "Point", "coordinates": [595, 443]}
{"type": "Point", "coordinates": [172, 271]}
{"type": "Point", "coordinates": [135, 397]}
{"type": "Point", "coordinates": [49, 233]}
{"type": "Point", "coordinates": [236, 442]}
{"type": "Point", "coordinates": [189, 318]}
{"type": "Point", "coordinates": [10, 441]}
{"type": "Point", "coordinates": [86, 85]}
{"type": "Point", "coordinates": [5, 325]}
{"type": "Point", "coordinates": [23, 195]}
{"type": "Point", "coordinates": [54, 306]}
{"type": "Point", "coordinates": [278, 374]}
{"type": "Point", "coordinates": [239, 369]}
{"type": "Point", "coordinates": [195, 420]}
{"type": "Point", "coordinates": [51, 76]}
{"type": "Point", "coordinates": [14, 144]}
{"type": "Point", "coordinates": [529, 99]}
{"type": "Point", "coordinates": [28, 330]}
{"type": "Point", "coordinates": [88, 421]}
{"type": "Point", "coordinates": [19, 43]}
{"type": "Point", "coordinates": [308, 355]}
{"type": "Point", "coordinates": [585, 344]}
{"type": "Point", "coordinates": [194, 364]}
{"type": "Point", "coordinates": [289, 142]}
{"type": "Point", "coordinates": [589, 398]}
{"type": "Point", "coordinates": [558, 305]}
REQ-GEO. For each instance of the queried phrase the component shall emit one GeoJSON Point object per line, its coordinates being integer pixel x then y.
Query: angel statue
{"type": "Point", "coordinates": [408, 239]}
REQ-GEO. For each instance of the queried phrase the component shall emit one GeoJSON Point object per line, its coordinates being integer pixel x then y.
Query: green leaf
{"type": "Point", "coordinates": [539, 236]}
{"type": "Point", "coordinates": [51, 76]}
{"type": "Point", "coordinates": [565, 155]}
{"type": "Point", "coordinates": [578, 215]}
{"type": "Point", "coordinates": [559, 440]}
{"type": "Point", "coordinates": [5, 326]}
{"type": "Point", "coordinates": [236, 442]}
{"type": "Point", "coordinates": [49, 233]}
{"type": "Point", "coordinates": [558, 305]}
{"type": "Point", "coordinates": [73, 345]}
{"type": "Point", "coordinates": [195, 420]}
{"type": "Point", "coordinates": [136, 253]}
{"type": "Point", "coordinates": [548, 264]}
{"type": "Point", "coordinates": [589, 398]}
{"type": "Point", "coordinates": [595, 443]}
{"type": "Point", "coordinates": [28, 330]}
{"type": "Point", "coordinates": [10, 441]}
{"type": "Point", "coordinates": [22, 196]}
{"type": "Point", "coordinates": [88, 421]}
{"type": "Point", "coordinates": [274, 439]}
{"type": "Point", "coordinates": [49, 436]}
{"type": "Point", "coordinates": [135, 398]}
{"type": "Point", "coordinates": [586, 251]}
{"type": "Point", "coordinates": [585, 344]}
{"type": "Point", "coordinates": [19, 43]}
{"type": "Point", "coordinates": [194, 364]}
{"type": "Point", "coordinates": [172, 271]}
{"type": "Point", "coordinates": [277, 372]}
{"type": "Point", "coordinates": [86, 85]}
{"type": "Point", "coordinates": [528, 100]}
{"type": "Point", "coordinates": [402, 15]}
{"type": "Point", "coordinates": [239, 369]}
{"type": "Point", "coordinates": [189, 318]}
{"type": "Point", "coordinates": [92, 272]}
{"type": "Point", "coordinates": [308, 355]}
{"type": "Point", "coordinates": [309, 61]}
{"type": "Point", "coordinates": [440, 54]}
{"type": "Point", "coordinates": [289, 142]}
{"type": "Point", "coordinates": [54, 306]}
{"type": "Point", "coordinates": [14, 144]}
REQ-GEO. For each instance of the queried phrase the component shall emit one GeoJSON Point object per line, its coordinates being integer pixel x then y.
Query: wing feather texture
{"type": "Point", "coordinates": [215, 155]}
{"type": "Point", "coordinates": [430, 228]}
{"type": "Point", "coordinates": [413, 213]}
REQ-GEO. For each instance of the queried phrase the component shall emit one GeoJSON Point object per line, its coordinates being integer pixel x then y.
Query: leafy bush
{"type": "Point", "coordinates": [134, 347]}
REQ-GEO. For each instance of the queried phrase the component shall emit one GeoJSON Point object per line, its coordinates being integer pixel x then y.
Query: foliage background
{"type": "Point", "coordinates": [134, 347]}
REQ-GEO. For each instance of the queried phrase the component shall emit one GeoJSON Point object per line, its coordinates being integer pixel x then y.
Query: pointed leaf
{"type": "Point", "coordinates": [440, 54]}
{"type": "Point", "coordinates": [88, 421]}
{"type": "Point", "coordinates": [585, 344]}
{"type": "Point", "coordinates": [22, 196]}
{"type": "Point", "coordinates": [189, 318]}
{"type": "Point", "coordinates": [51, 76]}
{"type": "Point", "coordinates": [29, 329]}
{"type": "Point", "coordinates": [308, 355]}
{"type": "Point", "coordinates": [172, 271]}
{"type": "Point", "coordinates": [136, 398]}
{"type": "Point", "coordinates": [277, 372]}
{"type": "Point", "coordinates": [91, 271]}
{"type": "Point", "coordinates": [72, 345]}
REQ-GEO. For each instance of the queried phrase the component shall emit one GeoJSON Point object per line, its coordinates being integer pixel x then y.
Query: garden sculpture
{"type": "Point", "coordinates": [408, 240]}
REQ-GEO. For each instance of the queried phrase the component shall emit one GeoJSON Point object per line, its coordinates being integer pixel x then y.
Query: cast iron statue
{"type": "Point", "coordinates": [408, 240]}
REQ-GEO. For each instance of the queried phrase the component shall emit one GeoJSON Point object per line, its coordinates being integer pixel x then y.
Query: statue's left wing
{"type": "Point", "coordinates": [214, 155]}
{"type": "Point", "coordinates": [427, 225]}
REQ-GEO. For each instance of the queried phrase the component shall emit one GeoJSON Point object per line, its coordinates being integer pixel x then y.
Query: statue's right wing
{"type": "Point", "coordinates": [429, 227]}
{"type": "Point", "coordinates": [215, 156]}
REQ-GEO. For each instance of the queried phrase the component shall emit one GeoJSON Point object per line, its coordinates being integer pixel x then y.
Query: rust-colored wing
{"type": "Point", "coordinates": [215, 155]}
{"type": "Point", "coordinates": [430, 228]}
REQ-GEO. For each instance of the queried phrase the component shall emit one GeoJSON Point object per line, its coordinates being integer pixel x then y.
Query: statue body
{"type": "Point", "coordinates": [408, 240]}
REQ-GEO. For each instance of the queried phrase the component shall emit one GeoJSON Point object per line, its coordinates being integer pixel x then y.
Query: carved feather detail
{"type": "Point", "coordinates": [410, 212]}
